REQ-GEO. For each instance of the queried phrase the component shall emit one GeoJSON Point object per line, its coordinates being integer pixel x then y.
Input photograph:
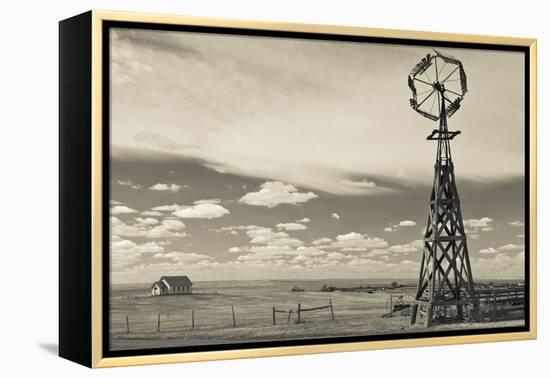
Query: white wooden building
{"type": "Point", "coordinates": [172, 285]}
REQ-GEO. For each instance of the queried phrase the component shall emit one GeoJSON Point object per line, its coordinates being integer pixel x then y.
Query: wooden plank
{"type": "Point", "coordinates": [314, 308]}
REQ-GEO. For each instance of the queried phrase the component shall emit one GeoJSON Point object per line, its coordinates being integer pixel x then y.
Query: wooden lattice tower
{"type": "Point", "coordinates": [445, 279]}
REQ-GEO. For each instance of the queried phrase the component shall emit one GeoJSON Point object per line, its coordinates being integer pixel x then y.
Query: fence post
{"type": "Point", "coordinates": [494, 306]}
{"type": "Point", "coordinates": [429, 315]}
{"type": "Point", "coordinates": [274, 320]}
{"type": "Point", "coordinates": [289, 313]}
{"type": "Point", "coordinates": [391, 305]}
{"type": "Point", "coordinates": [299, 314]}
{"type": "Point", "coordinates": [192, 319]}
{"type": "Point", "coordinates": [158, 323]}
{"type": "Point", "coordinates": [127, 325]}
{"type": "Point", "coordinates": [331, 309]}
{"type": "Point", "coordinates": [233, 311]}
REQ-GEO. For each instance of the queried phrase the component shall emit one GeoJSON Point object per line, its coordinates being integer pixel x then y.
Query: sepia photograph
{"type": "Point", "coordinates": [306, 189]}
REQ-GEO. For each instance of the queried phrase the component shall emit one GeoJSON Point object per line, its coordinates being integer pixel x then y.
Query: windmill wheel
{"type": "Point", "coordinates": [438, 84]}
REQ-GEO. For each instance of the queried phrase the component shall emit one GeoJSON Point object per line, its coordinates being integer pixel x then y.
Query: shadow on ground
{"type": "Point", "coordinates": [51, 348]}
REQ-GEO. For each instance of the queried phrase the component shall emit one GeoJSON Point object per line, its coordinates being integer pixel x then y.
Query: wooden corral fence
{"type": "Point", "coordinates": [501, 300]}
{"type": "Point", "coordinates": [495, 303]}
{"type": "Point", "coordinates": [301, 310]}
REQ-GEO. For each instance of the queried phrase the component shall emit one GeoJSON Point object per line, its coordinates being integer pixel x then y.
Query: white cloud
{"type": "Point", "coordinates": [322, 241]}
{"type": "Point", "coordinates": [216, 168]}
{"type": "Point", "coordinates": [207, 201]}
{"type": "Point", "coordinates": [172, 207]}
{"type": "Point", "coordinates": [363, 187]}
{"type": "Point", "coordinates": [516, 223]}
{"type": "Point", "coordinates": [147, 221]}
{"type": "Point", "coordinates": [309, 251]}
{"type": "Point", "coordinates": [511, 247]}
{"type": "Point", "coordinates": [388, 229]}
{"type": "Point", "coordinates": [273, 193]}
{"type": "Point", "coordinates": [120, 228]}
{"type": "Point", "coordinates": [488, 251]}
{"type": "Point", "coordinates": [403, 248]}
{"type": "Point", "coordinates": [419, 243]}
{"type": "Point", "coordinates": [182, 257]}
{"type": "Point", "coordinates": [264, 235]}
{"type": "Point", "coordinates": [483, 224]}
{"type": "Point", "coordinates": [499, 266]}
{"type": "Point", "coordinates": [114, 202]}
{"type": "Point", "coordinates": [174, 188]}
{"type": "Point", "coordinates": [521, 255]}
{"type": "Point", "coordinates": [128, 245]}
{"type": "Point", "coordinates": [125, 252]}
{"type": "Point", "coordinates": [202, 211]}
{"type": "Point", "coordinates": [151, 213]}
{"type": "Point", "coordinates": [266, 253]}
{"type": "Point", "coordinates": [335, 216]}
{"type": "Point", "coordinates": [407, 223]}
{"type": "Point", "coordinates": [291, 226]}
{"type": "Point", "coordinates": [167, 229]}
{"type": "Point", "coordinates": [235, 250]}
{"type": "Point", "coordinates": [173, 224]}
{"type": "Point", "coordinates": [129, 184]}
{"type": "Point", "coordinates": [282, 253]}
{"type": "Point", "coordinates": [350, 236]}
{"type": "Point", "coordinates": [303, 220]}
{"type": "Point", "coordinates": [354, 241]}
{"type": "Point", "coordinates": [163, 232]}
{"type": "Point", "coordinates": [121, 209]}
{"type": "Point", "coordinates": [376, 253]}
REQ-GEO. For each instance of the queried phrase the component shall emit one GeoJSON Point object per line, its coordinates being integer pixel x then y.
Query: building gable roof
{"type": "Point", "coordinates": [160, 284]}
{"type": "Point", "coordinates": [176, 280]}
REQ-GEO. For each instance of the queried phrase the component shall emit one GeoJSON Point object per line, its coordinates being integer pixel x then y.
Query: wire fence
{"type": "Point", "coordinates": [231, 316]}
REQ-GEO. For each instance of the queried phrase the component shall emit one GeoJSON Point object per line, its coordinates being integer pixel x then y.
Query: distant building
{"type": "Point", "coordinates": [172, 285]}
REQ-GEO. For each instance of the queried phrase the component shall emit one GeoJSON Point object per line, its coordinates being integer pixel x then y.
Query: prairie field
{"type": "Point", "coordinates": [134, 314]}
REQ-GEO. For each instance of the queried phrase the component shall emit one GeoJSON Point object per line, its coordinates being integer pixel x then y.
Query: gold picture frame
{"type": "Point", "coordinates": [90, 328]}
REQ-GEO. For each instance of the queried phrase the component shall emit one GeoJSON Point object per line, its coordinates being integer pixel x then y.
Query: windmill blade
{"type": "Point", "coordinates": [411, 85]}
{"type": "Point", "coordinates": [463, 80]}
{"type": "Point", "coordinates": [427, 115]}
{"type": "Point", "coordinates": [453, 107]}
{"type": "Point", "coordinates": [422, 66]}
{"type": "Point", "coordinates": [447, 58]}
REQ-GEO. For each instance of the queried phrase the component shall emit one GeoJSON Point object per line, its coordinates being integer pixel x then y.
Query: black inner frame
{"type": "Point", "coordinates": [106, 148]}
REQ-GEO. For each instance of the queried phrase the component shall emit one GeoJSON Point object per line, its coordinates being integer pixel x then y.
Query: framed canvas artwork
{"type": "Point", "coordinates": [235, 189]}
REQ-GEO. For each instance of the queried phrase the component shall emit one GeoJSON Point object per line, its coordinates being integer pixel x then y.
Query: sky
{"type": "Point", "coordinates": [239, 157]}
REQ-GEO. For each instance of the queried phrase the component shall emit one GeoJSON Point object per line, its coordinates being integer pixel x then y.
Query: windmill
{"type": "Point", "coordinates": [438, 85]}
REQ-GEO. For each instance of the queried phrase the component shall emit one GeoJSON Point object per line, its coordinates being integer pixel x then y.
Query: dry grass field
{"type": "Point", "coordinates": [356, 313]}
